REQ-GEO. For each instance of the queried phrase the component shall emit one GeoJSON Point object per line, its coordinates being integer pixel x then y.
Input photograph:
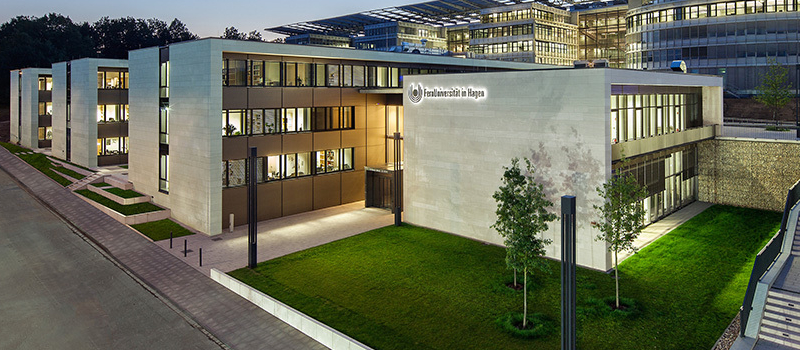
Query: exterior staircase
{"type": "Point", "coordinates": [84, 182]}
{"type": "Point", "coordinates": [781, 322]}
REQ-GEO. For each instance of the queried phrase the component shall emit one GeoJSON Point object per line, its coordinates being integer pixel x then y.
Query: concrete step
{"type": "Point", "coordinates": [784, 296]}
{"type": "Point", "coordinates": [783, 323]}
{"type": "Point", "coordinates": [779, 335]}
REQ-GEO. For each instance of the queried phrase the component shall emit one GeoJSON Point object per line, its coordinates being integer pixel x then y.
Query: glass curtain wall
{"type": "Point", "coordinates": [646, 111]}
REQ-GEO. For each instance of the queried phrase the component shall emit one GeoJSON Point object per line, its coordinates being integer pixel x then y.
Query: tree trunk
{"type": "Point", "coordinates": [775, 116]}
{"type": "Point", "coordinates": [515, 278]}
{"type": "Point", "coordinates": [616, 275]}
{"type": "Point", "coordinates": [525, 298]}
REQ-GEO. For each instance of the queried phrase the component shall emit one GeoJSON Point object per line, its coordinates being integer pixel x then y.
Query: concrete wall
{"type": "Point", "coordinates": [26, 132]}
{"type": "Point", "coordinates": [83, 119]}
{"type": "Point", "coordinates": [143, 97]}
{"type": "Point", "coordinates": [59, 145]}
{"type": "Point", "coordinates": [13, 106]}
{"type": "Point", "coordinates": [747, 172]}
{"type": "Point", "coordinates": [455, 150]}
{"type": "Point", "coordinates": [195, 168]}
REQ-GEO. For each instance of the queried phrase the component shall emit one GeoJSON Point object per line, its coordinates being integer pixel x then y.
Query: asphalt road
{"type": "Point", "coordinates": [58, 292]}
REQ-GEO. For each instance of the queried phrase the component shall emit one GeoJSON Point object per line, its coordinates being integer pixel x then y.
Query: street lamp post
{"type": "Point", "coordinates": [252, 212]}
{"type": "Point", "coordinates": [797, 100]}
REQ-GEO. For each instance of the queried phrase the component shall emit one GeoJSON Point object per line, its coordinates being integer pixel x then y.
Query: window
{"type": "Point", "coordinates": [234, 72]}
{"type": "Point", "coordinates": [287, 166]}
{"type": "Point", "coordinates": [163, 125]}
{"type": "Point", "coordinates": [45, 133]}
{"type": "Point", "coordinates": [112, 146]}
{"type": "Point", "coordinates": [112, 113]}
{"type": "Point", "coordinates": [233, 123]}
{"type": "Point", "coordinates": [45, 108]}
{"type": "Point", "coordinates": [163, 80]}
{"type": "Point", "coordinates": [163, 173]}
{"type": "Point", "coordinates": [272, 73]}
{"type": "Point", "coordinates": [112, 79]}
{"type": "Point", "coordinates": [45, 83]}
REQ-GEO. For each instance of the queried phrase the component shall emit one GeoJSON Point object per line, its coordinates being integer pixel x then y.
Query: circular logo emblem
{"type": "Point", "coordinates": [415, 93]}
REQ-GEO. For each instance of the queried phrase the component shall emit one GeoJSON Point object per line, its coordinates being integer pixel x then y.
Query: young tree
{"type": "Point", "coordinates": [521, 217]}
{"type": "Point", "coordinates": [774, 90]}
{"type": "Point", "coordinates": [621, 215]}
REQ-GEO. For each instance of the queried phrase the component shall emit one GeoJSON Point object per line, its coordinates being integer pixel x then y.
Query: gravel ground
{"type": "Point", "coordinates": [729, 336]}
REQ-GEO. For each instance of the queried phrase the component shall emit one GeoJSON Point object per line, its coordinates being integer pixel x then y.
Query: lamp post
{"type": "Point", "coordinates": [252, 213]}
{"type": "Point", "coordinates": [396, 179]}
{"type": "Point", "coordinates": [568, 282]}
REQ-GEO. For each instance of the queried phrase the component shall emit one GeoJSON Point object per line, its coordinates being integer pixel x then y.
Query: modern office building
{"type": "Point", "coordinates": [319, 40]}
{"type": "Point", "coordinates": [90, 111]}
{"type": "Point", "coordinates": [734, 39]}
{"type": "Point", "coordinates": [387, 35]}
{"type": "Point", "coordinates": [601, 31]}
{"type": "Point", "coordinates": [457, 144]}
{"type": "Point", "coordinates": [529, 32]}
{"type": "Point", "coordinates": [31, 107]}
{"type": "Point", "coordinates": [317, 115]}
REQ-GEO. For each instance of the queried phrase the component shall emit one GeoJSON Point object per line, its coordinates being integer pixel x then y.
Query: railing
{"type": "Point", "coordinates": [767, 256]}
{"type": "Point", "coordinates": [759, 130]}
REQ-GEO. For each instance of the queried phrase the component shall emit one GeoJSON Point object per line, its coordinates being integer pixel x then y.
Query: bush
{"type": "Point", "coordinates": [776, 128]}
{"type": "Point", "coordinates": [603, 308]}
{"type": "Point", "coordinates": [538, 325]}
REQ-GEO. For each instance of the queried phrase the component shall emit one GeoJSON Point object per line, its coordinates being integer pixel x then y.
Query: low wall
{"type": "Point", "coordinates": [118, 199]}
{"type": "Point", "coordinates": [317, 330]}
{"type": "Point", "coordinates": [130, 219]}
{"type": "Point", "coordinates": [747, 172]}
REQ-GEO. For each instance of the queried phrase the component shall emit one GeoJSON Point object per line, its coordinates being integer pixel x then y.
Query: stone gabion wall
{"type": "Point", "coordinates": [747, 173]}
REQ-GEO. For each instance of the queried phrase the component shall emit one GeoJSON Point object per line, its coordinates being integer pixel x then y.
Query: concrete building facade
{"type": "Point", "coordinates": [456, 145]}
{"type": "Point", "coordinates": [90, 115]}
{"type": "Point", "coordinates": [31, 107]}
{"type": "Point", "coordinates": [318, 116]}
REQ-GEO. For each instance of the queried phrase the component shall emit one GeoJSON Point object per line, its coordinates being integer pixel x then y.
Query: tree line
{"type": "Point", "coordinates": [38, 42]}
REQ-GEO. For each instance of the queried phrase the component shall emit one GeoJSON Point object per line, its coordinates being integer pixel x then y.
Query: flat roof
{"type": "Point", "coordinates": [438, 13]}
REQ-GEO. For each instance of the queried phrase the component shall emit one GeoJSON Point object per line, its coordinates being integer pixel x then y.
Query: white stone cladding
{"type": "Point", "coordinates": [25, 132]}
{"type": "Point", "coordinates": [455, 148]}
{"type": "Point", "coordinates": [59, 145]}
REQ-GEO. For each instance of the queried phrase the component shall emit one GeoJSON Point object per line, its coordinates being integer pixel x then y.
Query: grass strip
{"type": "Point", "coordinates": [123, 193]}
{"type": "Point", "coordinates": [126, 210]}
{"type": "Point", "coordinates": [410, 287]}
{"type": "Point", "coordinates": [159, 230]}
{"type": "Point", "coordinates": [69, 172]}
{"type": "Point", "coordinates": [101, 184]}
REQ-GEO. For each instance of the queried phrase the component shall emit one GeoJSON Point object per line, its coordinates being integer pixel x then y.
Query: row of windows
{"type": "Point", "coordinates": [45, 108]}
{"type": "Point", "coordinates": [45, 83]}
{"type": "Point", "coordinates": [602, 19]}
{"type": "Point", "coordinates": [545, 32]}
{"type": "Point", "coordinates": [496, 32]}
{"type": "Point", "coordinates": [514, 46]}
{"type": "Point", "coordinates": [516, 15]}
{"type": "Point", "coordinates": [717, 52]}
{"type": "Point", "coordinates": [286, 166]}
{"type": "Point", "coordinates": [720, 9]}
{"type": "Point", "coordinates": [275, 73]}
{"type": "Point", "coordinates": [733, 31]}
{"type": "Point", "coordinates": [286, 120]}
{"type": "Point", "coordinates": [112, 80]}
{"type": "Point", "coordinates": [557, 49]}
{"type": "Point", "coordinates": [112, 146]}
{"type": "Point", "coordinates": [112, 113]}
{"type": "Point", "coordinates": [635, 117]}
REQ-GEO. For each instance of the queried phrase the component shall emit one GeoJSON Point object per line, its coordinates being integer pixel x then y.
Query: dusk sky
{"type": "Point", "coordinates": [204, 18]}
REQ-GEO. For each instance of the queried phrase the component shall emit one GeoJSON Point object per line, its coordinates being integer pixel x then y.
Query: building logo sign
{"type": "Point", "coordinates": [416, 93]}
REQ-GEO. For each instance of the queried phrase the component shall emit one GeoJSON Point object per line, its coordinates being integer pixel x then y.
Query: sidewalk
{"type": "Point", "coordinates": [661, 227]}
{"type": "Point", "coordinates": [233, 320]}
{"type": "Point", "coordinates": [279, 237]}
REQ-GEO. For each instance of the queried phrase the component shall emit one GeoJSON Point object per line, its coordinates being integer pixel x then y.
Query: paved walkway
{"type": "Point", "coordinates": [279, 237]}
{"type": "Point", "coordinates": [58, 292]}
{"type": "Point", "coordinates": [233, 320]}
{"type": "Point", "coordinates": [661, 227]}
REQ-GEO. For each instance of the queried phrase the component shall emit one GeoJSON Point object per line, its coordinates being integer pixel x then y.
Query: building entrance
{"type": "Point", "coordinates": [379, 188]}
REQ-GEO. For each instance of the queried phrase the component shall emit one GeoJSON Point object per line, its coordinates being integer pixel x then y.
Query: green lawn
{"type": "Point", "coordinates": [158, 230]}
{"type": "Point", "coordinates": [38, 161]}
{"type": "Point", "coordinates": [409, 287]}
{"type": "Point", "coordinates": [124, 193]}
{"type": "Point", "coordinates": [101, 184]}
{"type": "Point", "coordinates": [131, 209]}
{"type": "Point", "coordinates": [69, 172]}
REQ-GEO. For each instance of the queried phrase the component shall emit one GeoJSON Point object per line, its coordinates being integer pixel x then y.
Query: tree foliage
{"type": "Point", "coordinates": [233, 33]}
{"type": "Point", "coordinates": [774, 91]}
{"type": "Point", "coordinates": [27, 42]}
{"type": "Point", "coordinates": [521, 218]}
{"type": "Point", "coordinates": [621, 215]}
